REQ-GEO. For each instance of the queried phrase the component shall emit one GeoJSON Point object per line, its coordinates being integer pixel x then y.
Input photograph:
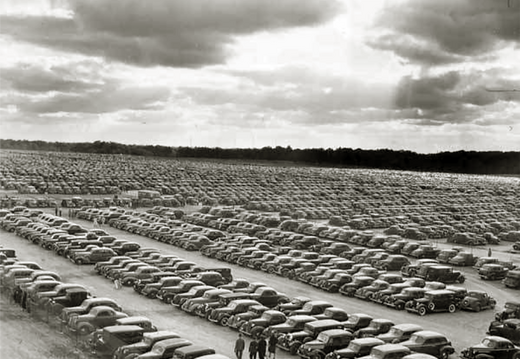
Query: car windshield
{"type": "Point", "coordinates": [148, 341]}
{"type": "Point", "coordinates": [475, 295]}
{"type": "Point", "coordinates": [488, 343]}
{"type": "Point", "coordinates": [159, 349]}
{"type": "Point", "coordinates": [323, 337]}
{"type": "Point", "coordinates": [417, 339]}
{"type": "Point", "coordinates": [395, 332]}
{"type": "Point", "coordinates": [354, 347]}
{"type": "Point", "coordinates": [307, 306]}
{"type": "Point", "coordinates": [233, 305]}
{"type": "Point", "coordinates": [353, 319]}
{"type": "Point", "coordinates": [376, 353]}
{"type": "Point", "coordinates": [207, 295]}
{"type": "Point", "coordinates": [291, 322]}
{"type": "Point", "coordinates": [267, 316]}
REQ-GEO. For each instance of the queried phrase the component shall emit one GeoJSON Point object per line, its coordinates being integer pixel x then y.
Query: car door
{"type": "Point", "coordinates": [104, 318]}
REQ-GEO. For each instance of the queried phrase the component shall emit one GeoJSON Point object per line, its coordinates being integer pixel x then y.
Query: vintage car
{"type": "Point", "coordinates": [492, 347]}
{"type": "Point", "coordinates": [511, 310]}
{"type": "Point", "coordinates": [366, 292]}
{"type": "Point", "coordinates": [255, 326]}
{"type": "Point", "coordinates": [93, 256]}
{"type": "Point", "coordinates": [512, 279]}
{"type": "Point", "coordinates": [98, 317]}
{"type": "Point", "coordinates": [333, 313]}
{"type": "Point", "coordinates": [295, 304]}
{"type": "Point", "coordinates": [382, 296]}
{"type": "Point", "coordinates": [431, 343]}
{"type": "Point", "coordinates": [312, 307]}
{"type": "Point", "coordinates": [398, 301]}
{"type": "Point", "coordinates": [477, 300]}
{"type": "Point", "coordinates": [194, 292]}
{"type": "Point", "coordinates": [377, 326]}
{"type": "Point", "coordinates": [326, 342]}
{"type": "Point", "coordinates": [357, 321]}
{"type": "Point", "coordinates": [392, 262]}
{"type": "Point", "coordinates": [222, 315]}
{"type": "Point", "coordinates": [165, 348]}
{"type": "Point", "coordinates": [355, 349]}
{"type": "Point", "coordinates": [388, 351]}
{"type": "Point", "coordinates": [463, 259]}
{"type": "Point", "coordinates": [410, 270]}
{"type": "Point", "coordinates": [492, 271]}
{"type": "Point", "coordinates": [291, 342]}
{"type": "Point", "coordinates": [292, 324]}
{"type": "Point", "coordinates": [509, 328]}
{"type": "Point", "coordinates": [350, 289]}
{"type": "Point", "coordinates": [444, 274]}
{"type": "Point", "coordinates": [399, 333]}
{"type": "Point", "coordinates": [146, 344]}
{"type": "Point", "coordinates": [106, 341]}
{"type": "Point", "coordinates": [433, 301]}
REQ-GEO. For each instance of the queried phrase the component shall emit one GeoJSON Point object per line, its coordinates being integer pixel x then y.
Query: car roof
{"type": "Point", "coordinates": [123, 328]}
{"type": "Point", "coordinates": [429, 334]}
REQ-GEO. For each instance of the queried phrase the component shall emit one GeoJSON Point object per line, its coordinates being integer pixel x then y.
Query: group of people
{"type": "Point", "coordinates": [257, 347]}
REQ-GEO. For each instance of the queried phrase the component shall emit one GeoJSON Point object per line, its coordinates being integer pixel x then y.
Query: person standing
{"type": "Point", "coordinates": [239, 346]}
{"type": "Point", "coordinates": [271, 347]}
{"type": "Point", "coordinates": [262, 344]}
{"type": "Point", "coordinates": [253, 348]}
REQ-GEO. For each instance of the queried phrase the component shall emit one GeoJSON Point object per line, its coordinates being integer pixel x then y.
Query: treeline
{"type": "Point", "coordinates": [457, 162]}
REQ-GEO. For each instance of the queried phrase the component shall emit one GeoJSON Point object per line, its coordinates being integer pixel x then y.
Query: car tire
{"type": "Point", "coordinates": [461, 279]}
{"type": "Point", "coordinates": [79, 261]}
{"type": "Point", "coordinates": [452, 308]}
{"type": "Point", "coordinates": [85, 330]}
{"type": "Point", "coordinates": [399, 306]}
{"type": "Point", "coordinates": [422, 311]}
{"type": "Point", "coordinates": [224, 321]}
{"type": "Point", "coordinates": [478, 308]}
{"type": "Point", "coordinates": [444, 354]}
{"type": "Point", "coordinates": [431, 306]}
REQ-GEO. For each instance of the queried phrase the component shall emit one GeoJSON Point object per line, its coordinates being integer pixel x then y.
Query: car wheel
{"type": "Point", "coordinates": [452, 308]}
{"type": "Point", "coordinates": [461, 279]}
{"type": "Point", "coordinates": [516, 355]}
{"type": "Point", "coordinates": [445, 353]}
{"type": "Point", "coordinates": [422, 310]}
{"type": "Point", "coordinates": [256, 332]}
{"type": "Point", "coordinates": [478, 308]}
{"type": "Point", "coordinates": [79, 261]}
{"type": "Point", "coordinates": [270, 270]}
{"type": "Point", "coordinates": [294, 348]}
{"type": "Point", "coordinates": [85, 330]}
{"type": "Point", "coordinates": [431, 306]}
{"type": "Point", "coordinates": [224, 321]}
{"type": "Point", "coordinates": [399, 306]}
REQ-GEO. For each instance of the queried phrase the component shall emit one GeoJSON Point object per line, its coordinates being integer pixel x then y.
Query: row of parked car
{"type": "Point", "coordinates": [101, 324]}
{"type": "Point", "coordinates": [341, 276]}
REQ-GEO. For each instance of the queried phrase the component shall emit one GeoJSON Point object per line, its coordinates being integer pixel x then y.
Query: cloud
{"type": "Point", "coordinates": [73, 88]}
{"type": "Point", "coordinates": [455, 97]}
{"type": "Point", "coordinates": [433, 32]}
{"type": "Point", "coordinates": [173, 33]}
{"type": "Point", "coordinates": [318, 98]}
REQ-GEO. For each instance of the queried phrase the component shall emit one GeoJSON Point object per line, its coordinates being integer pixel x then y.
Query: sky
{"type": "Point", "coordinates": [420, 75]}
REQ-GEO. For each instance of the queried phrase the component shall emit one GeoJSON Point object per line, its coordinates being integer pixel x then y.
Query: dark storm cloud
{"type": "Point", "coordinates": [453, 97]}
{"type": "Point", "coordinates": [26, 77]}
{"type": "Point", "coordinates": [175, 33]}
{"type": "Point", "coordinates": [433, 32]}
{"type": "Point", "coordinates": [76, 87]}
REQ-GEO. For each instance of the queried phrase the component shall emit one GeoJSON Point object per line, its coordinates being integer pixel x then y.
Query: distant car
{"type": "Point", "coordinates": [492, 347]}
{"type": "Point", "coordinates": [509, 329]}
{"type": "Point", "coordinates": [429, 342]}
{"type": "Point", "coordinates": [492, 271]}
{"type": "Point", "coordinates": [355, 349]}
{"type": "Point", "coordinates": [433, 301]}
{"type": "Point", "coordinates": [478, 300]}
